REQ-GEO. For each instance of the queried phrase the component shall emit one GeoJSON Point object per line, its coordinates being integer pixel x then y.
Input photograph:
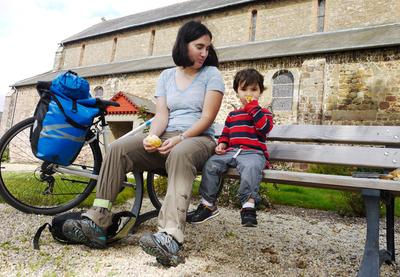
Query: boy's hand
{"type": "Point", "coordinates": [220, 149]}
{"type": "Point", "coordinates": [251, 105]}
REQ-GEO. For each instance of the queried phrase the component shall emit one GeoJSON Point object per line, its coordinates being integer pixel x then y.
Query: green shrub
{"type": "Point", "coordinates": [331, 169]}
{"type": "Point", "coordinates": [160, 184]}
{"type": "Point", "coordinates": [353, 204]}
{"type": "Point", "coordinates": [228, 196]}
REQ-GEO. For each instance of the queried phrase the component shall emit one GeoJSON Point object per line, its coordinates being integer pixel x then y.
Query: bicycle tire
{"type": "Point", "coordinates": [20, 186]}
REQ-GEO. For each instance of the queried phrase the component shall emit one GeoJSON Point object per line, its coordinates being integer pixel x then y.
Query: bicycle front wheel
{"type": "Point", "coordinates": [26, 185]}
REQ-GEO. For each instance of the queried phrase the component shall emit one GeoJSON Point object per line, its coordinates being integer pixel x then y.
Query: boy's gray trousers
{"type": "Point", "coordinates": [249, 163]}
{"type": "Point", "coordinates": [182, 163]}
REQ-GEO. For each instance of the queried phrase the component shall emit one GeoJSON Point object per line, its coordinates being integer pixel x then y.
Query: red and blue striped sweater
{"type": "Point", "coordinates": [247, 128]}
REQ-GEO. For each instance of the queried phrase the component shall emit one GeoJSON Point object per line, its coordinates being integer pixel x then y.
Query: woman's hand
{"type": "Point", "coordinates": [149, 147]}
{"type": "Point", "coordinates": [168, 144]}
{"type": "Point", "coordinates": [220, 149]}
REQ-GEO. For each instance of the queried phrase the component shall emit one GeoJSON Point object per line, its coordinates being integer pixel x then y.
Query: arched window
{"type": "Point", "coordinates": [282, 91]}
{"type": "Point", "coordinates": [98, 92]}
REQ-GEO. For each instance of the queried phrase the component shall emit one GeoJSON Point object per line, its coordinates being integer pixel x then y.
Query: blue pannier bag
{"type": "Point", "coordinates": [70, 85]}
{"type": "Point", "coordinates": [63, 118]}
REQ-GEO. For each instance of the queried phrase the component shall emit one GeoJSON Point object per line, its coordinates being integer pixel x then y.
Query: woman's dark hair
{"type": "Point", "coordinates": [190, 31]}
{"type": "Point", "coordinates": [248, 77]}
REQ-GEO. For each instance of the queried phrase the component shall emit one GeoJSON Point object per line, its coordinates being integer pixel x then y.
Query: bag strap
{"type": "Point", "coordinates": [72, 72]}
{"type": "Point", "coordinates": [38, 234]}
{"type": "Point", "coordinates": [69, 120]}
{"type": "Point", "coordinates": [124, 231]}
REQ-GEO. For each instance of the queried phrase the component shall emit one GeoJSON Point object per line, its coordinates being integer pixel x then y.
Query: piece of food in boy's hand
{"type": "Point", "coordinates": [154, 140]}
{"type": "Point", "coordinates": [248, 98]}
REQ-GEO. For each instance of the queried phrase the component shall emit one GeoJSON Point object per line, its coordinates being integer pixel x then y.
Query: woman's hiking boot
{"type": "Point", "coordinates": [86, 232]}
{"type": "Point", "coordinates": [162, 246]}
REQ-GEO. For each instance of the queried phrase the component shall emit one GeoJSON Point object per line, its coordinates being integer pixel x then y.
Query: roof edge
{"type": "Point", "coordinates": [194, 12]}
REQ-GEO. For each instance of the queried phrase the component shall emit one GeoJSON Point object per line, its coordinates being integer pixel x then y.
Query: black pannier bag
{"type": "Point", "coordinates": [118, 229]}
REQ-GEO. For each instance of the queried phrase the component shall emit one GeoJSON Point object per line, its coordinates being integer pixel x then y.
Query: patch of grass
{"type": "Point", "coordinates": [303, 197]}
{"type": "Point", "coordinates": [31, 191]}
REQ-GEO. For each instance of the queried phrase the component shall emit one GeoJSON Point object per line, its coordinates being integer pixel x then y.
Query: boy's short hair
{"type": "Point", "coordinates": [247, 77]}
{"type": "Point", "coordinates": [188, 32]}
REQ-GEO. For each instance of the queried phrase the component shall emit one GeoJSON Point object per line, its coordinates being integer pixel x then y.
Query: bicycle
{"type": "Point", "coordinates": [35, 186]}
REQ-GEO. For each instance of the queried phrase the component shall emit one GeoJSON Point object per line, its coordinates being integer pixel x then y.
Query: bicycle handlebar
{"type": "Point", "coordinates": [106, 103]}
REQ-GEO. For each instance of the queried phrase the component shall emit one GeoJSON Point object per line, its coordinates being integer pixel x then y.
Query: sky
{"type": "Point", "coordinates": [30, 31]}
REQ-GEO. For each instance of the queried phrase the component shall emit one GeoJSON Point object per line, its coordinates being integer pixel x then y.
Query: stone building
{"type": "Point", "coordinates": [324, 61]}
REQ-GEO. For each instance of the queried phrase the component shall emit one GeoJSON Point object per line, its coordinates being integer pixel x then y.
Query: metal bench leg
{"type": "Point", "coordinates": [390, 228]}
{"type": "Point", "coordinates": [138, 193]}
{"type": "Point", "coordinates": [140, 218]}
{"type": "Point", "coordinates": [370, 262]}
{"type": "Point", "coordinates": [388, 255]}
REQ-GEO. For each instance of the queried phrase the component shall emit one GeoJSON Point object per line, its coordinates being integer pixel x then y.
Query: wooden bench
{"type": "Point", "coordinates": [354, 146]}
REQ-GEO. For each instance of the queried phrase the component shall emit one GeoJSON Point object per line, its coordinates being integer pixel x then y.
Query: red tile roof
{"type": "Point", "coordinates": [126, 105]}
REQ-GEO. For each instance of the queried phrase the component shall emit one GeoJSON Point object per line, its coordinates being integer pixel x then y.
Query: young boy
{"type": "Point", "coordinates": [241, 145]}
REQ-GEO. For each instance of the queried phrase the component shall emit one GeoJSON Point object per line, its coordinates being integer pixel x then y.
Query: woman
{"type": "Point", "coordinates": [188, 98]}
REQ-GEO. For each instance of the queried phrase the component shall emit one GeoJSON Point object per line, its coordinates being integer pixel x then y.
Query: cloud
{"type": "Point", "coordinates": [31, 30]}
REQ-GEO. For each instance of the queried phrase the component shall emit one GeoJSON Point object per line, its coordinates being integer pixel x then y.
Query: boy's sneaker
{"type": "Point", "coordinates": [86, 232]}
{"type": "Point", "coordinates": [162, 246]}
{"type": "Point", "coordinates": [249, 217]}
{"type": "Point", "coordinates": [202, 214]}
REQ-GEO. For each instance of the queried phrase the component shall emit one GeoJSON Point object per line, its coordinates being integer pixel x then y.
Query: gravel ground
{"type": "Point", "coordinates": [287, 242]}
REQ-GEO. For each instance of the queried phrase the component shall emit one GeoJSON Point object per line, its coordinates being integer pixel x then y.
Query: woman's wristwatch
{"type": "Point", "coordinates": [182, 137]}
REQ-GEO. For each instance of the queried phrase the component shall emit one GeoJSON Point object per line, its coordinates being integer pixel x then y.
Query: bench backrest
{"type": "Point", "coordinates": [362, 146]}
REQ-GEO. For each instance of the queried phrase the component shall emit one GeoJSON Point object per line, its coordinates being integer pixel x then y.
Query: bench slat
{"type": "Point", "coordinates": [338, 155]}
{"type": "Point", "coordinates": [373, 135]}
{"type": "Point", "coordinates": [323, 180]}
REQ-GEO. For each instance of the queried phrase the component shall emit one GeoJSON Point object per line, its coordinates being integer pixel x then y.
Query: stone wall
{"type": "Point", "coordinates": [71, 55]}
{"type": "Point", "coordinates": [96, 51]}
{"type": "Point", "coordinates": [360, 87]}
{"type": "Point", "coordinates": [346, 14]}
{"type": "Point", "coordinates": [363, 88]}
{"type": "Point", "coordinates": [131, 45]}
{"type": "Point", "coordinates": [275, 19]}
{"type": "Point", "coordinates": [279, 19]}
{"type": "Point", "coordinates": [7, 117]}
{"type": "Point", "coordinates": [229, 27]}
{"type": "Point", "coordinates": [18, 106]}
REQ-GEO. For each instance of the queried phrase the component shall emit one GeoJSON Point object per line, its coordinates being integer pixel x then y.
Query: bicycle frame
{"type": "Point", "coordinates": [73, 170]}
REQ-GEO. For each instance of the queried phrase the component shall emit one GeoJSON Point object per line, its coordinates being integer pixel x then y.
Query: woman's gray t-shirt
{"type": "Point", "coordinates": [185, 106]}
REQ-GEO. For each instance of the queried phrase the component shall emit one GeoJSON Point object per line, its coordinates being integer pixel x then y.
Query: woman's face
{"type": "Point", "coordinates": [198, 51]}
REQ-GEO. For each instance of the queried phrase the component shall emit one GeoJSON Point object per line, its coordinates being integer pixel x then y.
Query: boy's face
{"type": "Point", "coordinates": [249, 93]}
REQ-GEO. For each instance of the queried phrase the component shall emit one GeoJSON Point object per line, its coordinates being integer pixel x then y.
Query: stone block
{"type": "Point", "coordinates": [384, 105]}
{"type": "Point", "coordinates": [339, 115]}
